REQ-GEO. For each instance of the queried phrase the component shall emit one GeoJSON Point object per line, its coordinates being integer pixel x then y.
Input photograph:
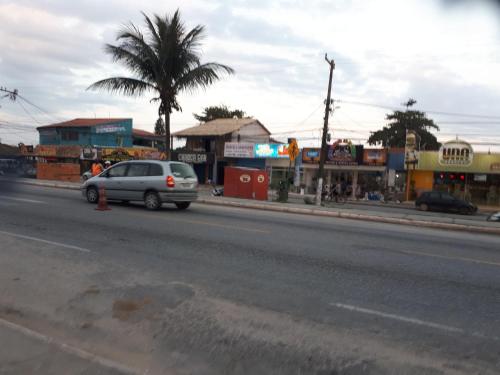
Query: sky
{"type": "Point", "coordinates": [443, 53]}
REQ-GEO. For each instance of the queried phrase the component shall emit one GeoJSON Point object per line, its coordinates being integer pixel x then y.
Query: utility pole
{"type": "Point", "coordinates": [322, 153]}
{"type": "Point", "coordinates": [11, 94]}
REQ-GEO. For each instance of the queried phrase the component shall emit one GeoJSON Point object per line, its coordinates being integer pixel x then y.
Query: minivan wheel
{"type": "Point", "coordinates": [92, 195]}
{"type": "Point", "coordinates": [152, 200]}
{"type": "Point", "coordinates": [424, 207]}
{"type": "Point", "coordinates": [182, 205]}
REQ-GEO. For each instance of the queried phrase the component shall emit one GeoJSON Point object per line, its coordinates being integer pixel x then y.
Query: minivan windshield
{"type": "Point", "coordinates": [182, 170]}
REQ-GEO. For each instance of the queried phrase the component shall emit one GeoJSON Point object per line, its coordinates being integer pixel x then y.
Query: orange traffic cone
{"type": "Point", "coordinates": [102, 205]}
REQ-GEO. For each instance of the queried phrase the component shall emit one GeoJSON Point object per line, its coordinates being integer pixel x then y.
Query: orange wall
{"type": "Point", "coordinates": [424, 180]}
{"type": "Point", "coordinates": [58, 171]}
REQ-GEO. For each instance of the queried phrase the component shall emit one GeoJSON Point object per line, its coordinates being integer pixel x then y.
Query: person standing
{"type": "Point", "coordinates": [96, 168]}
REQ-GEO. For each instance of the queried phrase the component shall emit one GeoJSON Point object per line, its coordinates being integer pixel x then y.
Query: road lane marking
{"type": "Point", "coordinates": [23, 200]}
{"type": "Point", "coordinates": [73, 350]}
{"type": "Point", "coordinates": [72, 247]}
{"type": "Point", "coordinates": [414, 321]}
{"type": "Point", "coordinates": [398, 317]}
{"type": "Point", "coordinates": [410, 252]}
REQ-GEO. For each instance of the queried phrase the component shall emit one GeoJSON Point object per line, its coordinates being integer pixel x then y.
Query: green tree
{"type": "Point", "coordinates": [164, 60]}
{"type": "Point", "coordinates": [394, 133]}
{"type": "Point", "coordinates": [220, 111]}
{"type": "Point", "coordinates": [160, 126]}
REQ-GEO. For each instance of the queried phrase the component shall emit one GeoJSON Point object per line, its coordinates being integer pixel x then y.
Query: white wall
{"type": "Point", "coordinates": [253, 133]}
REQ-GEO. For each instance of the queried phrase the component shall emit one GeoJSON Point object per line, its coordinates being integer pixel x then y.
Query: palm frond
{"type": "Point", "coordinates": [122, 85]}
{"type": "Point", "coordinates": [156, 40]}
{"type": "Point", "coordinates": [202, 76]}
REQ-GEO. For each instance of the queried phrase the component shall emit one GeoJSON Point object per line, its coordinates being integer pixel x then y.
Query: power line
{"type": "Point", "coordinates": [423, 110]}
{"type": "Point", "coordinates": [28, 113]}
{"type": "Point", "coordinates": [39, 108]}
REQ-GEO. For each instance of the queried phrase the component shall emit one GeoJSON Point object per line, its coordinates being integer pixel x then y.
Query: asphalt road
{"type": "Point", "coordinates": [215, 290]}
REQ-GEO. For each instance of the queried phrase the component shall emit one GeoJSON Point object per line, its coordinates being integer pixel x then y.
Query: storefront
{"type": "Point", "coordinates": [270, 156]}
{"type": "Point", "coordinates": [359, 170]}
{"type": "Point", "coordinates": [457, 169]}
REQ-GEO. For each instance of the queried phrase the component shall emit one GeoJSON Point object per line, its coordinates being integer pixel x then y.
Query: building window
{"type": "Point", "coordinates": [69, 136]}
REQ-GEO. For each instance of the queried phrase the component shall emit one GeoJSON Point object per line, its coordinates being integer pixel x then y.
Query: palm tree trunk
{"type": "Point", "coordinates": [168, 146]}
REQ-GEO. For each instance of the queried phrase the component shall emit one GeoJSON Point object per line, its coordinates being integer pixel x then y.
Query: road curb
{"type": "Point", "coordinates": [47, 184]}
{"type": "Point", "coordinates": [353, 216]}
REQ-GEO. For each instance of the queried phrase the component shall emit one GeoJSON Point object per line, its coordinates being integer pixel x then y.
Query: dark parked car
{"type": "Point", "coordinates": [439, 201]}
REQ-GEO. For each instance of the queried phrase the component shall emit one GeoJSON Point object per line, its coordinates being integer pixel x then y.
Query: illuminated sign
{"type": "Point", "coordinates": [271, 150]}
{"type": "Point", "coordinates": [456, 153]}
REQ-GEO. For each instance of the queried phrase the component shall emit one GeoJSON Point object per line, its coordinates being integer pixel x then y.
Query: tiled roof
{"type": "Point", "coordinates": [218, 127]}
{"type": "Point", "coordinates": [84, 122]}
{"type": "Point", "coordinates": [145, 133]}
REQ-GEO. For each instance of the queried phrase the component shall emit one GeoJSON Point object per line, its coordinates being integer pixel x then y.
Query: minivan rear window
{"type": "Point", "coordinates": [182, 170]}
{"type": "Point", "coordinates": [155, 170]}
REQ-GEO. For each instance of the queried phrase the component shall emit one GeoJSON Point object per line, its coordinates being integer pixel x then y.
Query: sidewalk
{"type": "Point", "coordinates": [362, 210]}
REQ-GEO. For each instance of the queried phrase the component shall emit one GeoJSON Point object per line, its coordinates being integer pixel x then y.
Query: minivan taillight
{"type": "Point", "coordinates": [170, 181]}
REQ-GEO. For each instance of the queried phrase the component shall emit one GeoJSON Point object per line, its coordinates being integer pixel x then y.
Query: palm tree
{"type": "Point", "coordinates": [165, 61]}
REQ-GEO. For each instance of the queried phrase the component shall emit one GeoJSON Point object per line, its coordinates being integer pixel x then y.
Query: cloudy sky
{"type": "Point", "coordinates": [443, 53]}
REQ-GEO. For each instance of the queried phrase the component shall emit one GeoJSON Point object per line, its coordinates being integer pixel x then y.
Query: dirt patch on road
{"type": "Point", "coordinates": [123, 309]}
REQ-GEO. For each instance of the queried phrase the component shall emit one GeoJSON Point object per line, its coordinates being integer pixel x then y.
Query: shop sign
{"type": "Point", "coordinates": [110, 129]}
{"type": "Point", "coordinates": [411, 152]}
{"type": "Point", "coordinates": [193, 157]}
{"type": "Point", "coordinates": [374, 156]}
{"type": "Point", "coordinates": [271, 150]}
{"type": "Point", "coordinates": [238, 150]}
{"type": "Point", "coordinates": [58, 151]}
{"type": "Point", "coordinates": [261, 178]}
{"type": "Point", "coordinates": [495, 167]}
{"type": "Point", "coordinates": [115, 154]}
{"type": "Point", "coordinates": [41, 150]}
{"type": "Point", "coordinates": [482, 163]}
{"type": "Point", "coordinates": [480, 177]}
{"type": "Point", "coordinates": [310, 155]}
{"type": "Point", "coordinates": [456, 152]}
{"type": "Point", "coordinates": [68, 151]}
{"type": "Point", "coordinates": [245, 178]}
{"type": "Point", "coordinates": [89, 153]}
{"type": "Point", "coordinates": [341, 152]}
{"type": "Point", "coordinates": [127, 153]}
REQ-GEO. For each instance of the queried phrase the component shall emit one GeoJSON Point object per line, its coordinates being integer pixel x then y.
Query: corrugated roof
{"type": "Point", "coordinates": [84, 122]}
{"type": "Point", "coordinates": [218, 127]}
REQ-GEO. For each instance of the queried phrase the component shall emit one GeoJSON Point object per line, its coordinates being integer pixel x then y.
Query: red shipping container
{"type": "Point", "coordinates": [248, 183]}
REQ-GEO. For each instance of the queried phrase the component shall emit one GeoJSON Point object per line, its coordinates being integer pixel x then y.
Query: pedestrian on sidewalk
{"type": "Point", "coordinates": [96, 168]}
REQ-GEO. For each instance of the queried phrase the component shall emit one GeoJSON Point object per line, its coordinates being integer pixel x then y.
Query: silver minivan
{"type": "Point", "coordinates": [151, 181]}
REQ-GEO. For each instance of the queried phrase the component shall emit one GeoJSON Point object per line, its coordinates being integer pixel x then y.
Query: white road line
{"type": "Point", "coordinates": [23, 200]}
{"type": "Point", "coordinates": [93, 358]}
{"type": "Point", "coordinates": [418, 322]}
{"type": "Point", "coordinates": [45, 241]}
{"type": "Point", "coordinates": [399, 317]}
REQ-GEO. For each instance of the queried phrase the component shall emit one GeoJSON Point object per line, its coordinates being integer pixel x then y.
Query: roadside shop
{"type": "Point", "coordinates": [456, 168]}
{"type": "Point", "coordinates": [361, 170]}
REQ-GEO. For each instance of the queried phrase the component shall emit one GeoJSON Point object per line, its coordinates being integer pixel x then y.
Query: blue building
{"type": "Point", "coordinates": [110, 132]}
